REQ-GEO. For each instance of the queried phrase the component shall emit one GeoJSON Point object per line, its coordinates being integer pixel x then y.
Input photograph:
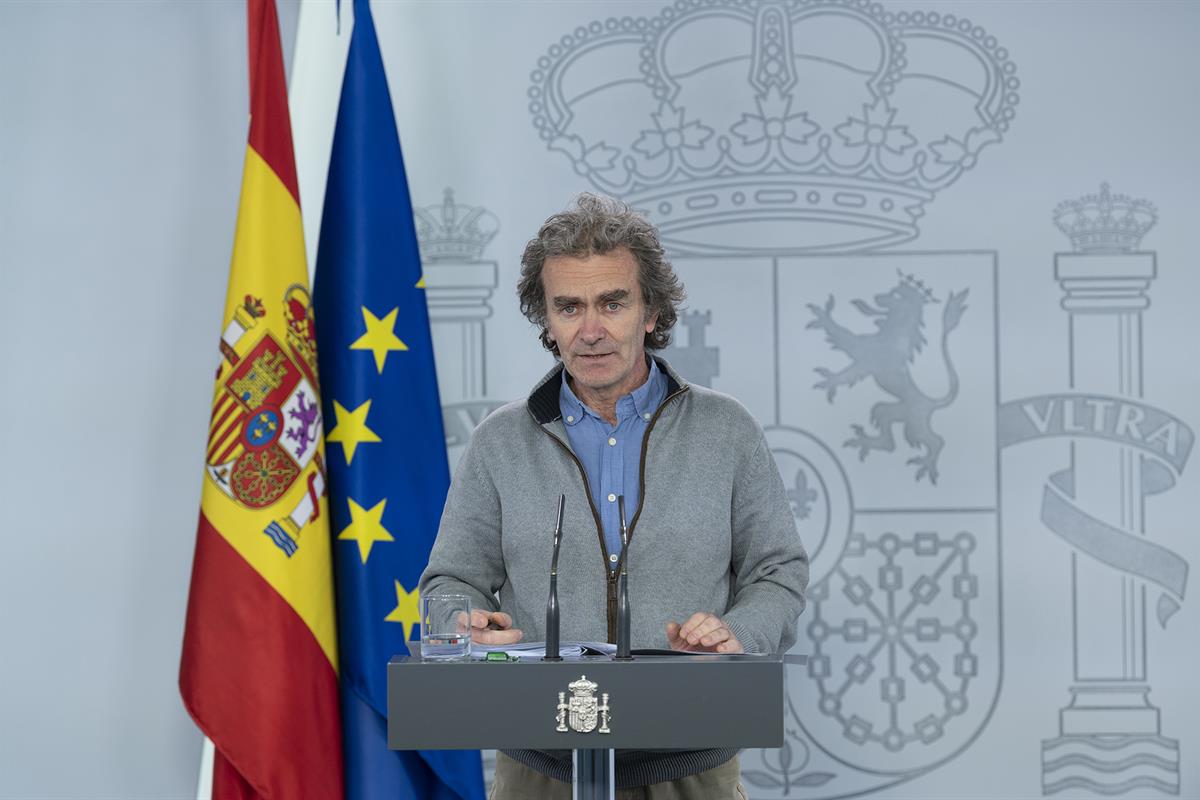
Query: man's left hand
{"type": "Point", "coordinates": [704, 632]}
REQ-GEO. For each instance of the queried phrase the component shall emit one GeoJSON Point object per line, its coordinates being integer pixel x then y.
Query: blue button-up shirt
{"type": "Point", "coordinates": [611, 455]}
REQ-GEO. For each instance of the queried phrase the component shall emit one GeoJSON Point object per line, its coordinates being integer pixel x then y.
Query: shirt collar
{"type": "Point", "coordinates": [643, 401]}
{"type": "Point", "coordinates": [648, 396]}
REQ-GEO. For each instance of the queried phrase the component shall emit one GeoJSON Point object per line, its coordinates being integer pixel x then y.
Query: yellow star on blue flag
{"type": "Point", "coordinates": [380, 337]}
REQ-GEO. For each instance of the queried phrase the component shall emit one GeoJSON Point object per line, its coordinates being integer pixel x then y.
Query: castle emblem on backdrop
{"type": "Point", "coordinates": [838, 118]}
{"type": "Point", "coordinates": [266, 423]}
{"type": "Point", "coordinates": [783, 149]}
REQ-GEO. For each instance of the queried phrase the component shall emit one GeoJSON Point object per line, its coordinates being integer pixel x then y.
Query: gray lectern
{"type": "Point", "coordinates": [592, 705]}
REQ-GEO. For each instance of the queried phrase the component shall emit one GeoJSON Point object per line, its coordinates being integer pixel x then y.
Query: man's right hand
{"type": "Point", "coordinates": [493, 627]}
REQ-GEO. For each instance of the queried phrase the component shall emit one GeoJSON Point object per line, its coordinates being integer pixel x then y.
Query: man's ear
{"type": "Point", "coordinates": [651, 321]}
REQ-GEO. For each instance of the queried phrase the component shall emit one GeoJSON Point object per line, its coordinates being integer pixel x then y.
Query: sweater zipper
{"type": "Point", "coordinates": [611, 575]}
{"type": "Point", "coordinates": [586, 491]}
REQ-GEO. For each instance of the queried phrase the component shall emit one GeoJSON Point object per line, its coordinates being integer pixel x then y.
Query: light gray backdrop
{"type": "Point", "coordinates": [952, 624]}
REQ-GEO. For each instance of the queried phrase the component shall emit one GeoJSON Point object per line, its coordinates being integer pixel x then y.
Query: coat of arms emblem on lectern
{"type": "Point", "coordinates": [582, 711]}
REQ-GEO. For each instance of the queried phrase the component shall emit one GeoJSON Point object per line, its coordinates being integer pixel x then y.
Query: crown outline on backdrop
{"type": "Point", "coordinates": [730, 133]}
{"type": "Point", "coordinates": [1105, 222]}
{"type": "Point", "coordinates": [453, 232]}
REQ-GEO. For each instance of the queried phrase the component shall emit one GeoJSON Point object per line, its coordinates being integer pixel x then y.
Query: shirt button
{"type": "Point", "coordinates": [646, 416]}
{"type": "Point", "coordinates": [570, 419]}
{"type": "Point", "coordinates": [612, 498]}
{"type": "Point", "coordinates": [613, 558]}
{"type": "Point", "coordinates": [612, 442]}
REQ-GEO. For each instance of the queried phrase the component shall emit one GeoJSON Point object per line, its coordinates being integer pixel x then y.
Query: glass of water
{"type": "Point", "coordinates": [445, 627]}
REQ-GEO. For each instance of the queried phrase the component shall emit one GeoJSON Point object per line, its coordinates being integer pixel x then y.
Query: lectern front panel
{"type": "Point", "coordinates": [672, 702]}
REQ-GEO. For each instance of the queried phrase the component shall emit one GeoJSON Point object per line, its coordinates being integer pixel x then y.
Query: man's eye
{"type": "Point", "coordinates": [613, 306]}
{"type": "Point", "coordinates": [568, 309]}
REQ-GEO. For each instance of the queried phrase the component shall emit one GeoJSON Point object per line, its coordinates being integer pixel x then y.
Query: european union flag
{"type": "Point", "coordinates": [388, 473]}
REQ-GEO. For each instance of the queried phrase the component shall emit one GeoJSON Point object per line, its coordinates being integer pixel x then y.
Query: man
{"type": "Point", "coordinates": [715, 562]}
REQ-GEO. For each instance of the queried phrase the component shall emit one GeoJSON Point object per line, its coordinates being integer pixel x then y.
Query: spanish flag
{"type": "Point", "coordinates": [259, 667]}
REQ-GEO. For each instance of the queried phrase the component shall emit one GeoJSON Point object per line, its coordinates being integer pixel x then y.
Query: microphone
{"type": "Point", "coordinates": [552, 602]}
{"type": "Point", "coordinates": [623, 653]}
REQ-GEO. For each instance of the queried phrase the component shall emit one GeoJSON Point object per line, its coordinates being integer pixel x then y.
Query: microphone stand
{"type": "Point", "coordinates": [552, 602]}
{"type": "Point", "coordinates": [623, 646]}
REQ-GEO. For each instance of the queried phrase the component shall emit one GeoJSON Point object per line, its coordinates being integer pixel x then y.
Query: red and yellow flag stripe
{"type": "Point", "coordinates": [259, 665]}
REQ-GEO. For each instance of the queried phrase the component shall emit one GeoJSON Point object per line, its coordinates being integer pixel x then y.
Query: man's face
{"type": "Point", "coordinates": [595, 314]}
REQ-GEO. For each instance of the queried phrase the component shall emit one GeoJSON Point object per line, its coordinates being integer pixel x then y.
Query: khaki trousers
{"type": "Point", "coordinates": [515, 781]}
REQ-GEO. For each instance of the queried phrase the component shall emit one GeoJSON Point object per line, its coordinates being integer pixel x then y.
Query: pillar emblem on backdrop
{"type": "Point", "coordinates": [458, 285]}
{"type": "Point", "coordinates": [1121, 450]}
{"type": "Point", "coordinates": [785, 149]}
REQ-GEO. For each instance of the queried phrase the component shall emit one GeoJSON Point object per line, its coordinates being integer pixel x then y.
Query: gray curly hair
{"type": "Point", "coordinates": [596, 225]}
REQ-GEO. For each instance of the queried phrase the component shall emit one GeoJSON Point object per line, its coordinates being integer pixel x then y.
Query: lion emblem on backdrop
{"type": "Point", "coordinates": [886, 355]}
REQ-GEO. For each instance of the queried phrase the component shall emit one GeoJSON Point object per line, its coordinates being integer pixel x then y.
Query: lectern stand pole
{"type": "Point", "coordinates": [593, 777]}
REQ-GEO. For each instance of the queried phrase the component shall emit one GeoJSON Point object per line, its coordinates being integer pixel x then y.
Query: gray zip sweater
{"type": "Point", "coordinates": [714, 532]}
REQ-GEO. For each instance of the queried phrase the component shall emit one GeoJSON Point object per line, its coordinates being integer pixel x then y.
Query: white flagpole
{"type": "Point", "coordinates": [205, 781]}
{"type": "Point", "coordinates": [318, 63]}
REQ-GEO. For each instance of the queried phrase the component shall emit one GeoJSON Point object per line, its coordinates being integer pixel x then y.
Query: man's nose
{"type": "Point", "coordinates": [592, 329]}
